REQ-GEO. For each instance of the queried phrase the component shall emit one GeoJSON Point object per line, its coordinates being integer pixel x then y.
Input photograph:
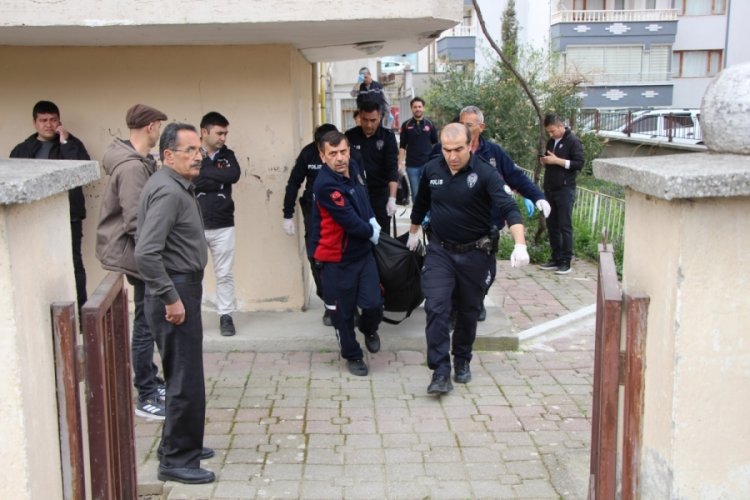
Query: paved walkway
{"type": "Point", "coordinates": [287, 420]}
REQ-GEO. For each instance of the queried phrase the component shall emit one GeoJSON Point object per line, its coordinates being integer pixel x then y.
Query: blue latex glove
{"type": "Point", "coordinates": [529, 206]}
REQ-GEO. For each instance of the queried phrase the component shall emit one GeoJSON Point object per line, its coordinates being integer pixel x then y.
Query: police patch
{"type": "Point", "coordinates": [337, 199]}
{"type": "Point", "coordinates": [471, 180]}
{"type": "Point", "coordinates": [379, 144]}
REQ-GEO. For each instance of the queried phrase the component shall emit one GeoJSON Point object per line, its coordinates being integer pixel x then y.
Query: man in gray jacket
{"type": "Point", "coordinates": [129, 164]}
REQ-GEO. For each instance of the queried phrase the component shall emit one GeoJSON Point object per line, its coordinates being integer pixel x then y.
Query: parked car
{"type": "Point", "coordinates": [392, 67]}
{"type": "Point", "coordinates": [679, 126]}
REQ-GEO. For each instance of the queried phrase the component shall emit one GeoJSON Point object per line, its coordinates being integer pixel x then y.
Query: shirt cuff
{"type": "Point", "coordinates": [567, 164]}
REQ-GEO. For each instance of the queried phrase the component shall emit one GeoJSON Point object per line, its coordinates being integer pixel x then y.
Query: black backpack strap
{"type": "Point", "coordinates": [396, 322]}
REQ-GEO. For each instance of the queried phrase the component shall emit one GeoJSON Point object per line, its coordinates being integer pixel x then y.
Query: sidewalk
{"type": "Point", "coordinates": [287, 420]}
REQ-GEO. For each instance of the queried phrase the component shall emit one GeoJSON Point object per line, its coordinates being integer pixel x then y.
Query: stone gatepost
{"type": "Point", "coordinates": [36, 269]}
{"type": "Point", "coordinates": [687, 247]}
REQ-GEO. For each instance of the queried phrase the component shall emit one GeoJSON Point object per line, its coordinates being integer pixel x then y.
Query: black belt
{"type": "Point", "coordinates": [182, 278]}
{"type": "Point", "coordinates": [455, 247]}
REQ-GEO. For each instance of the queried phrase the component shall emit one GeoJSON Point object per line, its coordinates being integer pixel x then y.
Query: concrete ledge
{"type": "Point", "coordinates": [28, 180]}
{"type": "Point", "coordinates": [556, 324]}
{"type": "Point", "coordinates": [696, 175]}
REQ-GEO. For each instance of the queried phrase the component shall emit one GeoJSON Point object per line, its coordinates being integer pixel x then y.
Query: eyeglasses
{"type": "Point", "coordinates": [191, 151]}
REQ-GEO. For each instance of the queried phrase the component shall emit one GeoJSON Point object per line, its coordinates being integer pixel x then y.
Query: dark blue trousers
{"type": "Point", "coordinates": [181, 349]}
{"type": "Point", "coordinates": [450, 278]}
{"type": "Point", "coordinates": [142, 346]}
{"type": "Point", "coordinates": [560, 223]}
{"type": "Point", "coordinates": [347, 285]}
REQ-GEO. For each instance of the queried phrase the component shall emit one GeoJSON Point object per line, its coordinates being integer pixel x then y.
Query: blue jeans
{"type": "Point", "coordinates": [142, 347]}
{"type": "Point", "coordinates": [414, 173]}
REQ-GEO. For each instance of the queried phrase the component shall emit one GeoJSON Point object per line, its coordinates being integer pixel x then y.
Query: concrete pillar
{"type": "Point", "coordinates": [687, 238]}
{"type": "Point", "coordinates": [36, 269]}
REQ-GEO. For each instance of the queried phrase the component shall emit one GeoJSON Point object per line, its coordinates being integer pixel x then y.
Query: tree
{"type": "Point", "coordinates": [509, 32]}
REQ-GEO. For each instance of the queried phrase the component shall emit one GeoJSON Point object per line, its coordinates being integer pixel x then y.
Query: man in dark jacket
{"type": "Point", "coordinates": [213, 189]}
{"type": "Point", "coordinates": [52, 141]}
{"type": "Point", "coordinates": [379, 151]}
{"type": "Point", "coordinates": [418, 136]}
{"type": "Point", "coordinates": [562, 161]}
{"type": "Point", "coordinates": [343, 233]}
{"type": "Point", "coordinates": [129, 164]}
{"type": "Point", "coordinates": [368, 90]}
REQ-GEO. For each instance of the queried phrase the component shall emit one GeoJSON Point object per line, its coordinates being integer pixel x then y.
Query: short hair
{"type": "Point", "coordinates": [553, 119]}
{"type": "Point", "coordinates": [168, 138]}
{"type": "Point", "coordinates": [363, 70]}
{"type": "Point", "coordinates": [355, 114]}
{"type": "Point", "coordinates": [212, 118]}
{"type": "Point", "coordinates": [45, 108]}
{"type": "Point", "coordinates": [334, 138]}
{"type": "Point", "coordinates": [323, 130]}
{"type": "Point", "coordinates": [369, 107]}
{"type": "Point", "coordinates": [416, 99]}
{"type": "Point", "coordinates": [452, 130]}
{"type": "Point", "coordinates": [473, 110]}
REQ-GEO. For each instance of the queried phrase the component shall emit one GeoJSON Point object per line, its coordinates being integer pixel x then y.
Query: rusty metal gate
{"type": "Point", "coordinates": [104, 364]}
{"type": "Point", "coordinates": [614, 368]}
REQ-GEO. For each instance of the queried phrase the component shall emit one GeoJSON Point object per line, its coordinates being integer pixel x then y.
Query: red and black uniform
{"type": "Point", "coordinates": [340, 245]}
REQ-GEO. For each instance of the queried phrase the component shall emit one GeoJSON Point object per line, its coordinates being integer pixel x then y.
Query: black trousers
{"type": "Point", "coordinates": [142, 346]}
{"type": "Point", "coordinates": [379, 200]}
{"type": "Point", "coordinates": [453, 280]}
{"type": "Point", "coordinates": [560, 223]}
{"type": "Point", "coordinates": [76, 232]}
{"type": "Point", "coordinates": [181, 348]}
{"type": "Point", "coordinates": [307, 219]}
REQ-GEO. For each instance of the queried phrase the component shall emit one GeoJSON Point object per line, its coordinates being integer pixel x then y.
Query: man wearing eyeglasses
{"type": "Point", "coordinates": [213, 188]}
{"type": "Point", "coordinates": [171, 254]}
{"type": "Point", "coordinates": [129, 164]}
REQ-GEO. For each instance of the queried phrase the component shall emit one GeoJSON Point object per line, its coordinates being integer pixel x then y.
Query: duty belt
{"type": "Point", "coordinates": [451, 246]}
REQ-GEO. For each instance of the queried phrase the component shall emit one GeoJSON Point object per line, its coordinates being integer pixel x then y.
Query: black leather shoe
{"type": "Point", "coordinates": [206, 453]}
{"type": "Point", "coordinates": [482, 314]}
{"type": "Point", "coordinates": [226, 326]}
{"type": "Point", "coordinates": [440, 385]}
{"type": "Point", "coordinates": [327, 321]}
{"type": "Point", "coordinates": [357, 367]}
{"type": "Point", "coordinates": [462, 372]}
{"type": "Point", "coordinates": [372, 342]}
{"type": "Point", "coordinates": [186, 475]}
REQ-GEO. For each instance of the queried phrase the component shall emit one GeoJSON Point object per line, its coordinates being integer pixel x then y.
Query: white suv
{"type": "Point", "coordinates": [679, 126]}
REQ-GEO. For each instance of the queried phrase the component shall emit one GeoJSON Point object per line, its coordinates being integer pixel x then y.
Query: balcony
{"type": "Point", "coordinates": [457, 44]}
{"type": "Point", "coordinates": [613, 16]}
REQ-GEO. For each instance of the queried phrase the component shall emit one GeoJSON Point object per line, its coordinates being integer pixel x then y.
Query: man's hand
{"type": "Point", "coordinates": [63, 133]}
{"type": "Point", "coordinates": [519, 257]}
{"type": "Point", "coordinates": [175, 313]}
{"type": "Point", "coordinates": [413, 242]}
{"type": "Point", "coordinates": [543, 205]}
{"type": "Point", "coordinates": [375, 230]}
{"type": "Point", "coordinates": [552, 159]}
{"type": "Point", "coordinates": [288, 226]}
{"type": "Point", "coordinates": [390, 207]}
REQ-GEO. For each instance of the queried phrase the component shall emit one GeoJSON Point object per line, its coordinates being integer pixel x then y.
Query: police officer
{"type": "Point", "coordinates": [379, 151]}
{"type": "Point", "coordinates": [344, 230]}
{"type": "Point", "coordinates": [459, 190]}
{"type": "Point", "coordinates": [306, 169]}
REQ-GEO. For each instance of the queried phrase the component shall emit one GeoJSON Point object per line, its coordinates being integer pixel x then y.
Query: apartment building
{"type": "Point", "coordinates": [647, 53]}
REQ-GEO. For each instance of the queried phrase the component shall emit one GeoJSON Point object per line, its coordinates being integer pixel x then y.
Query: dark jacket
{"type": "Point", "coordinates": [374, 93]}
{"type": "Point", "coordinates": [128, 172]}
{"type": "Point", "coordinates": [417, 138]}
{"type": "Point", "coordinates": [569, 148]}
{"type": "Point", "coordinates": [341, 229]}
{"type": "Point", "coordinates": [460, 204]}
{"type": "Point", "coordinates": [73, 150]}
{"type": "Point", "coordinates": [305, 170]}
{"type": "Point", "coordinates": [213, 188]}
{"type": "Point", "coordinates": [379, 154]}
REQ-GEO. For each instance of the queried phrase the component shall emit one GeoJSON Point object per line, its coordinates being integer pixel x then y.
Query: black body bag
{"type": "Point", "coordinates": [400, 274]}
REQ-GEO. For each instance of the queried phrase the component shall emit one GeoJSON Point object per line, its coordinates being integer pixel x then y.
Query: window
{"type": "Point", "coordinates": [621, 64]}
{"type": "Point", "coordinates": [696, 63]}
{"type": "Point", "coordinates": [700, 7]}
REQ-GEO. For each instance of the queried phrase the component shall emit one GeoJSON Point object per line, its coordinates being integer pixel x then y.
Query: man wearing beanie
{"type": "Point", "coordinates": [129, 164]}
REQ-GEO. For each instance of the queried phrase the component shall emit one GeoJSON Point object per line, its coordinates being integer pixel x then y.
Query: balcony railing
{"type": "Point", "coordinates": [612, 16]}
{"type": "Point", "coordinates": [621, 78]}
{"type": "Point", "coordinates": [460, 30]}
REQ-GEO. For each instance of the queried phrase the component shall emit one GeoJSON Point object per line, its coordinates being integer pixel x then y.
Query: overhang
{"type": "Point", "coordinates": [321, 30]}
